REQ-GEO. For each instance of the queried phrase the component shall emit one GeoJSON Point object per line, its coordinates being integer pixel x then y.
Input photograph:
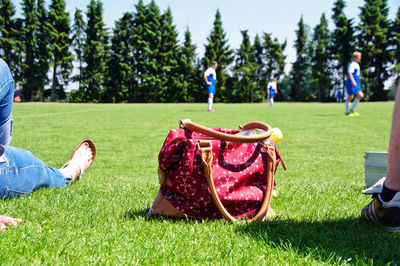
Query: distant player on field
{"type": "Point", "coordinates": [339, 96]}
{"type": "Point", "coordinates": [272, 90]}
{"type": "Point", "coordinates": [210, 77]}
{"type": "Point", "coordinates": [353, 85]}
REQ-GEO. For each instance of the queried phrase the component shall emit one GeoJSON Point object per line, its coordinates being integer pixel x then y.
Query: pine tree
{"type": "Point", "coordinates": [42, 54]}
{"type": "Point", "coordinates": [342, 41]}
{"type": "Point", "coordinates": [320, 59]}
{"type": "Point", "coordinates": [258, 59]}
{"type": "Point", "coordinates": [10, 45]}
{"type": "Point", "coordinates": [147, 36]}
{"type": "Point", "coordinates": [119, 82]}
{"type": "Point", "coordinates": [192, 83]}
{"type": "Point", "coordinates": [373, 41]}
{"type": "Point", "coordinates": [245, 70]}
{"type": "Point", "coordinates": [29, 83]}
{"type": "Point", "coordinates": [300, 66]}
{"type": "Point", "coordinates": [395, 43]}
{"type": "Point", "coordinates": [95, 55]}
{"type": "Point", "coordinates": [78, 42]}
{"type": "Point", "coordinates": [172, 88]}
{"type": "Point", "coordinates": [60, 42]}
{"type": "Point", "coordinates": [273, 57]}
{"type": "Point", "coordinates": [218, 49]}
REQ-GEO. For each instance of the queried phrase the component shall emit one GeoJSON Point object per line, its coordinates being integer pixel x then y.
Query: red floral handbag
{"type": "Point", "coordinates": [216, 173]}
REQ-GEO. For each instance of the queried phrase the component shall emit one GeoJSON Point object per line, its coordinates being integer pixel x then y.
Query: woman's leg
{"type": "Point", "coordinates": [6, 101]}
{"type": "Point", "coordinates": [21, 173]}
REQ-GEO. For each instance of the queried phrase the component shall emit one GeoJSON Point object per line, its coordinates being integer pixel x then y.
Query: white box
{"type": "Point", "coordinates": [375, 167]}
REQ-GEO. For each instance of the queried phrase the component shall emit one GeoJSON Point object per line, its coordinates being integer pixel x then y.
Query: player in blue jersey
{"type": "Point", "coordinates": [353, 85]}
{"type": "Point", "coordinates": [271, 91]}
{"type": "Point", "coordinates": [210, 77]}
{"type": "Point", "coordinates": [339, 95]}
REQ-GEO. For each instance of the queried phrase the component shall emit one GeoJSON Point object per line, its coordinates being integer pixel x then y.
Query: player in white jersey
{"type": "Point", "coordinates": [210, 77]}
{"type": "Point", "coordinates": [271, 91]}
{"type": "Point", "coordinates": [353, 85]}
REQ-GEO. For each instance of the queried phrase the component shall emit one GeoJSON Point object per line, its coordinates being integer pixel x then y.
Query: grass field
{"type": "Point", "coordinates": [101, 219]}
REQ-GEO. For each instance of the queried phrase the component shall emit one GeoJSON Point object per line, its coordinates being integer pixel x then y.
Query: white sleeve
{"type": "Point", "coordinates": [351, 68]}
{"type": "Point", "coordinates": [208, 72]}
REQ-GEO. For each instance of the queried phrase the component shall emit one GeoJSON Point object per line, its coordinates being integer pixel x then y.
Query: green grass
{"type": "Point", "coordinates": [101, 219]}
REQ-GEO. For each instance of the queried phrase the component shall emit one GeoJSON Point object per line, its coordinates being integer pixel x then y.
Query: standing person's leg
{"type": "Point", "coordinates": [6, 101]}
{"type": "Point", "coordinates": [359, 96]}
{"type": "Point", "coordinates": [210, 100]}
{"type": "Point", "coordinates": [393, 172]}
{"type": "Point", "coordinates": [385, 206]}
{"type": "Point", "coordinates": [21, 172]}
{"type": "Point", "coordinates": [348, 101]}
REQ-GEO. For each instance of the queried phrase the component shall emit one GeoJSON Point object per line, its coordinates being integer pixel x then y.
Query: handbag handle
{"type": "Point", "coordinates": [187, 123]}
{"type": "Point", "coordinates": [207, 158]}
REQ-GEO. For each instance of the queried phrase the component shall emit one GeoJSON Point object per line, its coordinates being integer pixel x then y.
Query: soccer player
{"type": "Point", "coordinates": [271, 90]}
{"type": "Point", "coordinates": [210, 77]}
{"type": "Point", "coordinates": [353, 85]}
{"type": "Point", "coordinates": [339, 96]}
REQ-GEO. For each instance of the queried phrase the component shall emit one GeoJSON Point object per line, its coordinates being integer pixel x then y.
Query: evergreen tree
{"type": "Point", "coordinates": [395, 43]}
{"type": "Point", "coordinates": [299, 89]}
{"type": "Point", "coordinates": [29, 83]}
{"type": "Point", "coordinates": [218, 49]}
{"type": "Point", "coordinates": [342, 41]}
{"type": "Point", "coordinates": [60, 42]}
{"type": "Point", "coordinates": [119, 82]}
{"type": "Point", "coordinates": [146, 41]}
{"type": "Point", "coordinates": [258, 59]}
{"type": "Point", "coordinates": [42, 54]}
{"type": "Point", "coordinates": [320, 59]}
{"type": "Point", "coordinates": [373, 41]}
{"type": "Point", "coordinates": [245, 70]}
{"type": "Point", "coordinates": [273, 58]}
{"type": "Point", "coordinates": [78, 42]}
{"type": "Point", "coordinates": [9, 42]}
{"type": "Point", "coordinates": [172, 88]}
{"type": "Point", "coordinates": [140, 49]}
{"type": "Point", "coordinates": [95, 55]}
{"type": "Point", "coordinates": [192, 83]}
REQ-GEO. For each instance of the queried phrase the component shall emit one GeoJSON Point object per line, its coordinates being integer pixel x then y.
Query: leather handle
{"type": "Point", "coordinates": [207, 158]}
{"type": "Point", "coordinates": [187, 123]}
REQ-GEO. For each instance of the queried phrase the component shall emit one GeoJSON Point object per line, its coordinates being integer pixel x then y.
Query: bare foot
{"type": "Point", "coordinates": [81, 159]}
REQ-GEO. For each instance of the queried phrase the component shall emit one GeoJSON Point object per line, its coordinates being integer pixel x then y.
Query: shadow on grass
{"type": "Point", "coordinates": [352, 239]}
{"type": "Point", "coordinates": [134, 214]}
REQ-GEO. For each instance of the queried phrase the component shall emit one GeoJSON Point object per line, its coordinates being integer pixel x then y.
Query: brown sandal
{"type": "Point", "coordinates": [92, 147]}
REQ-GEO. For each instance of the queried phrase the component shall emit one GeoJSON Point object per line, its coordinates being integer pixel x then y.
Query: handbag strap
{"type": "Point", "coordinates": [187, 123]}
{"type": "Point", "coordinates": [207, 158]}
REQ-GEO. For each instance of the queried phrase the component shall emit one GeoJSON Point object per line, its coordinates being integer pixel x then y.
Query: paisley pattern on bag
{"type": "Point", "coordinates": [239, 174]}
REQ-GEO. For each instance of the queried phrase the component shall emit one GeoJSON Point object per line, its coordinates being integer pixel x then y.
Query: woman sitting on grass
{"type": "Point", "coordinates": [20, 171]}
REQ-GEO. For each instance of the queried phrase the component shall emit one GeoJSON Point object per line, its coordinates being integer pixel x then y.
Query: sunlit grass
{"type": "Point", "coordinates": [101, 218]}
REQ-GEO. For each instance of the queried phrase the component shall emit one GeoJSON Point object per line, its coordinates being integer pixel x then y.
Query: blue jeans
{"type": "Point", "coordinates": [6, 101]}
{"type": "Point", "coordinates": [20, 171]}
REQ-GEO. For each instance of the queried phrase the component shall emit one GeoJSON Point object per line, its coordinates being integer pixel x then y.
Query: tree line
{"type": "Point", "coordinates": [141, 59]}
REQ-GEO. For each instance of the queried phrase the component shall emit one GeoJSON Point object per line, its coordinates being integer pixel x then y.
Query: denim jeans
{"type": "Point", "coordinates": [6, 101]}
{"type": "Point", "coordinates": [20, 171]}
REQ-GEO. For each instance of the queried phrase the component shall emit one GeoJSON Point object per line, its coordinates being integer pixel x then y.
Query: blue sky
{"type": "Point", "coordinates": [277, 17]}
